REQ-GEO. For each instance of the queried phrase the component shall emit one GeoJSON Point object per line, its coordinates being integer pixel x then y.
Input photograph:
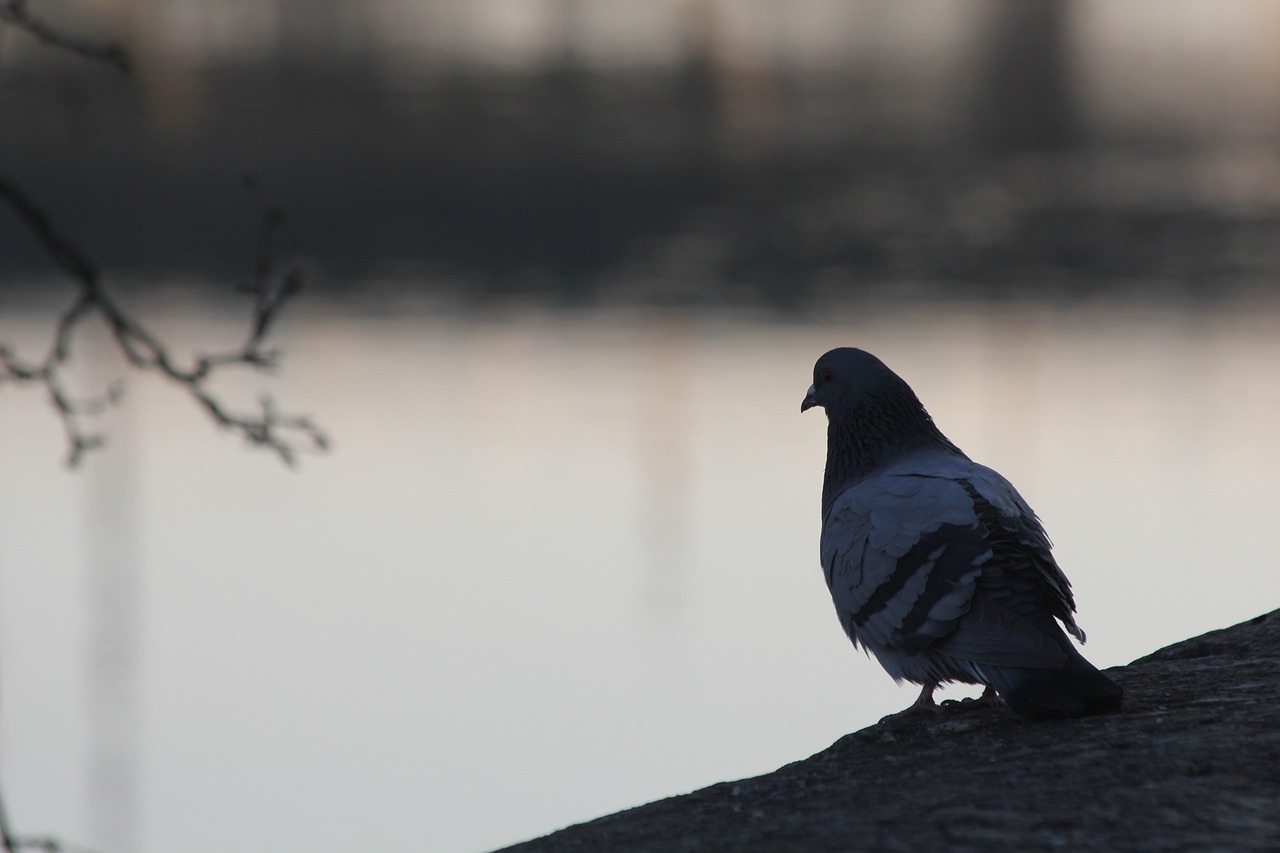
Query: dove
{"type": "Point", "coordinates": [936, 565]}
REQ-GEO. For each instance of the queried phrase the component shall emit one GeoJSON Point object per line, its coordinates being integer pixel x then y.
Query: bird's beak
{"type": "Point", "coordinates": [809, 402]}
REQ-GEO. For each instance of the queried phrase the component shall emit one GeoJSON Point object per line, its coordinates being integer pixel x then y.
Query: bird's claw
{"type": "Point", "coordinates": [988, 697]}
{"type": "Point", "coordinates": [924, 705]}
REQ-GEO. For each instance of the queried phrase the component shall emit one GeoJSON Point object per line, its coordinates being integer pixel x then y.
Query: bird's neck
{"type": "Point", "coordinates": [861, 442]}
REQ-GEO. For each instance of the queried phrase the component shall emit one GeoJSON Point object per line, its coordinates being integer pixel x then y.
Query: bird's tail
{"type": "Point", "coordinates": [1076, 689]}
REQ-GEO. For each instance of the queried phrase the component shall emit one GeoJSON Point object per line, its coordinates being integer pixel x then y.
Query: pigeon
{"type": "Point", "coordinates": [936, 565]}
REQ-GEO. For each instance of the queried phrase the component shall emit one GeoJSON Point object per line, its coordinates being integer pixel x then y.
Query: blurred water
{"type": "Point", "coordinates": [562, 563]}
{"type": "Point", "coordinates": [566, 148]}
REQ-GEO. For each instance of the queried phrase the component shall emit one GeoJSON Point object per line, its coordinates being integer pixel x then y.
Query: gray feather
{"type": "Point", "coordinates": [935, 564]}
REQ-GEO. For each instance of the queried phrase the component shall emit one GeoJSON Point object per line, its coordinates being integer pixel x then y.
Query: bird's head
{"type": "Point", "coordinates": [844, 376]}
{"type": "Point", "coordinates": [870, 409]}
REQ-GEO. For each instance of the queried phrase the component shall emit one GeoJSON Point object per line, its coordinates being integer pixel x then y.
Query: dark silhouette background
{"type": "Point", "coordinates": [998, 147]}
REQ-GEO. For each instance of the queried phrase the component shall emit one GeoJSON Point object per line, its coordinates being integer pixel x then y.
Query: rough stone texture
{"type": "Point", "coordinates": [1191, 763]}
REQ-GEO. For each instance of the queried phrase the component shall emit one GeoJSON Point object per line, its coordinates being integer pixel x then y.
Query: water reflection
{"type": "Point", "coordinates": [564, 563]}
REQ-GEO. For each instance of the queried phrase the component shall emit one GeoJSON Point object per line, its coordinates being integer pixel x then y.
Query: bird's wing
{"type": "Point", "coordinates": [1020, 541]}
{"type": "Point", "coordinates": [922, 558]}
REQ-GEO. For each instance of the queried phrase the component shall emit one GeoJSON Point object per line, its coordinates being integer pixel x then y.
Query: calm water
{"type": "Point", "coordinates": [561, 564]}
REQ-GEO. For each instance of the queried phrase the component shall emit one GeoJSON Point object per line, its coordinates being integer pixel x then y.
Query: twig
{"type": "Point", "coordinates": [267, 299]}
{"type": "Point", "coordinates": [15, 12]}
{"type": "Point", "coordinates": [285, 435]}
{"type": "Point", "coordinates": [11, 843]}
{"type": "Point", "coordinates": [6, 837]}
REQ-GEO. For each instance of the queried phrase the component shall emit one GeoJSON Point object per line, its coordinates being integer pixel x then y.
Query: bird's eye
{"type": "Point", "coordinates": [826, 376]}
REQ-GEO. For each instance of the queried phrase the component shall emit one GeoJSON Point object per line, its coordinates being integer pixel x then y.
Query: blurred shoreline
{"type": "Point", "coordinates": [998, 153]}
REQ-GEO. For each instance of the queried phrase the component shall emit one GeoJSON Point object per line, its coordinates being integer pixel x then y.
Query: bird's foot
{"type": "Point", "coordinates": [923, 706]}
{"type": "Point", "coordinates": [989, 697]}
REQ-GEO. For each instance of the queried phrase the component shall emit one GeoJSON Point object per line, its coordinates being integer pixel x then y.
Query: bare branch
{"type": "Point", "coordinates": [14, 12]}
{"type": "Point", "coordinates": [7, 841]}
{"type": "Point", "coordinates": [285, 435]}
{"type": "Point", "coordinates": [11, 843]}
{"type": "Point", "coordinates": [67, 255]}
{"type": "Point", "coordinates": [267, 299]}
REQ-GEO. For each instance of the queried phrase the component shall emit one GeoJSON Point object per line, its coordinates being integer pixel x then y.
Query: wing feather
{"type": "Point", "coordinates": [951, 564]}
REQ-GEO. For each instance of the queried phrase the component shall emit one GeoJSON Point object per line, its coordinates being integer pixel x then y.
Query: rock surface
{"type": "Point", "coordinates": [1191, 763]}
